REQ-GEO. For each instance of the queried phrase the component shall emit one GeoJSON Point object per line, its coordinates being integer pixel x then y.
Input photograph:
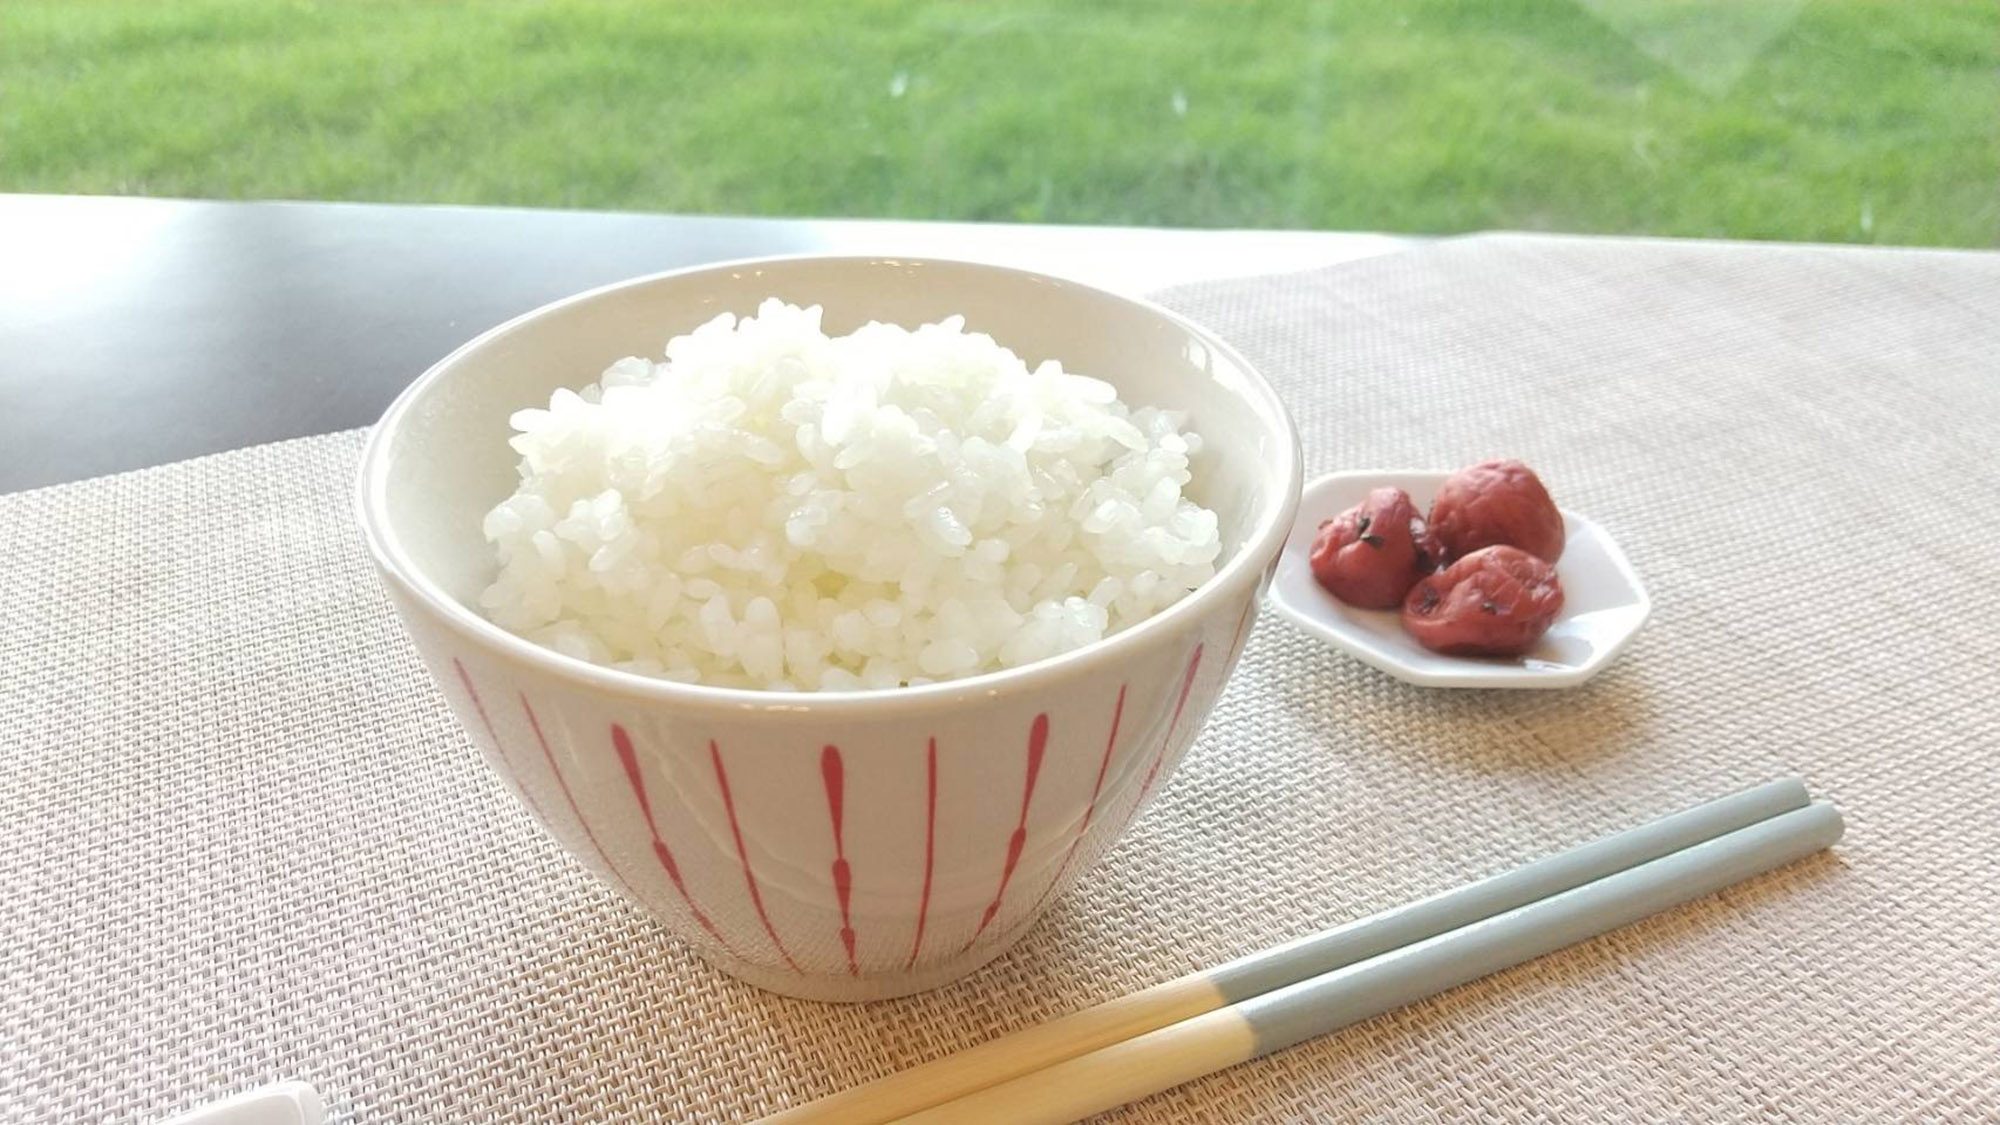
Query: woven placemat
{"type": "Point", "coordinates": [241, 838]}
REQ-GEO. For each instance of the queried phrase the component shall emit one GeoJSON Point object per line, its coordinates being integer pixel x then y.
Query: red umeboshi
{"type": "Point", "coordinates": [1371, 554]}
{"type": "Point", "coordinates": [1496, 601]}
{"type": "Point", "coordinates": [1496, 502]}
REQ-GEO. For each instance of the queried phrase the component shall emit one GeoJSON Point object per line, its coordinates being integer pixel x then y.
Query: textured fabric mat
{"type": "Point", "coordinates": [241, 838]}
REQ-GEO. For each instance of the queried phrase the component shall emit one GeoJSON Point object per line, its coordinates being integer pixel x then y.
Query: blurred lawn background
{"type": "Point", "coordinates": [1830, 120]}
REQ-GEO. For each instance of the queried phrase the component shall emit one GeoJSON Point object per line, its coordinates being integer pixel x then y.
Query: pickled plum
{"type": "Point", "coordinates": [1496, 601]}
{"type": "Point", "coordinates": [1496, 502]}
{"type": "Point", "coordinates": [1371, 554]}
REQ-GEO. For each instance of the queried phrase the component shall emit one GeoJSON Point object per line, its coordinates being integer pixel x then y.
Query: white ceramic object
{"type": "Point", "coordinates": [1604, 603]}
{"type": "Point", "coordinates": [833, 846]}
{"type": "Point", "coordinates": [284, 1103]}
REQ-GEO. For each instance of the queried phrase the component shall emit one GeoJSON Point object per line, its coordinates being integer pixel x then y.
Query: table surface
{"type": "Point", "coordinates": [136, 332]}
{"type": "Point", "coordinates": [242, 838]}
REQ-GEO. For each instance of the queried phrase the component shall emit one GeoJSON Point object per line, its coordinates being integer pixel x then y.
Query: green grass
{"type": "Point", "coordinates": [1862, 121]}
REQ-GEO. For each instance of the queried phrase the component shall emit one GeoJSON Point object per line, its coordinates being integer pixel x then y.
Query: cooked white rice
{"type": "Point", "coordinates": [775, 508]}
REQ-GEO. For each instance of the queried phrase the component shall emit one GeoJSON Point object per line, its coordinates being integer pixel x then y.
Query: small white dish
{"type": "Point", "coordinates": [1603, 601]}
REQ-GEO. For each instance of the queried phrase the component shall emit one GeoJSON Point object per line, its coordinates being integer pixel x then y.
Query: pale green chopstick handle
{"type": "Point", "coordinates": [1159, 1060]}
{"type": "Point", "coordinates": [1314, 1007]}
{"type": "Point", "coordinates": [1403, 925]}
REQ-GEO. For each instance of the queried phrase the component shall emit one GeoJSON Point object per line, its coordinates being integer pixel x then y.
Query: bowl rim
{"type": "Point", "coordinates": [1265, 539]}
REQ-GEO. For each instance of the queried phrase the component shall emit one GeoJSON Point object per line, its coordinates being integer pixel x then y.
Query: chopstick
{"type": "Point", "coordinates": [1165, 1058]}
{"type": "Point", "coordinates": [1034, 1049]}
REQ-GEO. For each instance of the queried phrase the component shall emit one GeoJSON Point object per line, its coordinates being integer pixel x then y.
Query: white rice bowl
{"type": "Point", "coordinates": [775, 508]}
